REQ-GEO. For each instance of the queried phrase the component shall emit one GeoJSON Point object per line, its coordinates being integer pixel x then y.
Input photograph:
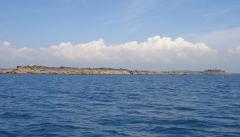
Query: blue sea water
{"type": "Point", "coordinates": [119, 105]}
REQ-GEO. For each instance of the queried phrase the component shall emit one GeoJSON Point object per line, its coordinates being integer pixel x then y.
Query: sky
{"type": "Point", "coordinates": [135, 34]}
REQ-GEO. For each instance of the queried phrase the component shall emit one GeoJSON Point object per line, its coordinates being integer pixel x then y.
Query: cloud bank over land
{"type": "Point", "coordinates": [155, 53]}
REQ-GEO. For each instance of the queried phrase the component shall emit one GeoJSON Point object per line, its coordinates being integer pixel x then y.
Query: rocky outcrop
{"type": "Point", "coordinates": [35, 69]}
{"type": "Point", "coordinates": [5, 71]}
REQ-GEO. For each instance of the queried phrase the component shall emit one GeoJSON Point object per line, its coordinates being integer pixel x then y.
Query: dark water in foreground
{"type": "Point", "coordinates": [119, 105]}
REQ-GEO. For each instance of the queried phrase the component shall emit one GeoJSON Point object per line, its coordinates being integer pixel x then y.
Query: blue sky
{"type": "Point", "coordinates": [43, 22]}
{"type": "Point", "coordinates": [28, 26]}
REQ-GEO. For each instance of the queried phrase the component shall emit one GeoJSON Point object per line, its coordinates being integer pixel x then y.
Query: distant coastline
{"type": "Point", "coordinates": [36, 69]}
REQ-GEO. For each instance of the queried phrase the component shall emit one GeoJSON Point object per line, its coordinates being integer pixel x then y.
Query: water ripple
{"type": "Point", "coordinates": [119, 105]}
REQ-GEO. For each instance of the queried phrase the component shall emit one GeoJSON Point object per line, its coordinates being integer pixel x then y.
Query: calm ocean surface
{"type": "Point", "coordinates": [119, 105]}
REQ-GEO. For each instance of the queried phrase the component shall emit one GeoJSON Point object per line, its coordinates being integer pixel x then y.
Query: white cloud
{"type": "Point", "coordinates": [10, 53]}
{"type": "Point", "coordinates": [226, 38]}
{"type": "Point", "coordinates": [235, 51]}
{"type": "Point", "coordinates": [156, 53]}
{"type": "Point", "coordinates": [227, 41]}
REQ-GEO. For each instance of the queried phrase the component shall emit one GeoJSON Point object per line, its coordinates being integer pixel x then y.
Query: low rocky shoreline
{"type": "Point", "coordinates": [35, 69]}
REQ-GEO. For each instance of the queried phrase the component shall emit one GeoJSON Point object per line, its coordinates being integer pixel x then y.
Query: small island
{"type": "Point", "coordinates": [37, 69]}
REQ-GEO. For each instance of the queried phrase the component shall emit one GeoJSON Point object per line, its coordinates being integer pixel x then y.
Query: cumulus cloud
{"type": "Point", "coordinates": [155, 53]}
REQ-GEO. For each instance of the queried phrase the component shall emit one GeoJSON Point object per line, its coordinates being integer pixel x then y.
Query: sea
{"type": "Point", "coordinates": [36, 105]}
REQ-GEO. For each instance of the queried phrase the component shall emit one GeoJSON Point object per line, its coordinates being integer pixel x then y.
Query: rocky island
{"type": "Point", "coordinates": [36, 69]}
